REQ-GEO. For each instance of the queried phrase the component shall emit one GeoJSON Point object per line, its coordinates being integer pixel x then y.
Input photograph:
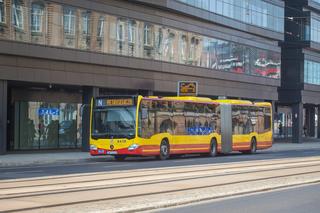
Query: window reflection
{"type": "Point", "coordinates": [311, 72]}
{"type": "Point", "coordinates": [2, 12]}
{"type": "Point", "coordinates": [17, 13]}
{"type": "Point", "coordinates": [69, 19]}
{"type": "Point", "coordinates": [36, 18]}
{"type": "Point", "coordinates": [90, 30]}
{"type": "Point", "coordinates": [255, 12]}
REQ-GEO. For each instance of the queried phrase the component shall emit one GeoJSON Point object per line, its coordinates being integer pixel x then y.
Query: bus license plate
{"type": "Point", "coordinates": [112, 152]}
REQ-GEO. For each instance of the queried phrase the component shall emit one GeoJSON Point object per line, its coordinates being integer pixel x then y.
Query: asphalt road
{"type": "Point", "coordinates": [108, 164]}
{"type": "Point", "coordinates": [294, 200]}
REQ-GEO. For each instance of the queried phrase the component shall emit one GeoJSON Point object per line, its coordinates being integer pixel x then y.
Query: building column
{"type": "Point", "coordinates": [297, 124]}
{"type": "Point", "coordinates": [318, 122]}
{"type": "Point", "coordinates": [87, 95]}
{"type": "Point", "coordinates": [310, 120]}
{"type": "Point", "coordinates": [3, 116]}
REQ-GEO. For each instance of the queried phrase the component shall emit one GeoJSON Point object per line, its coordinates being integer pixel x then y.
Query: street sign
{"type": "Point", "coordinates": [48, 111]}
{"type": "Point", "coordinates": [187, 88]}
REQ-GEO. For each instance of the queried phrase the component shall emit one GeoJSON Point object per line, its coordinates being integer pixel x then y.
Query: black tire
{"type": "Point", "coordinates": [164, 150]}
{"type": "Point", "coordinates": [213, 148]}
{"type": "Point", "coordinates": [120, 157]}
{"type": "Point", "coordinates": [253, 147]}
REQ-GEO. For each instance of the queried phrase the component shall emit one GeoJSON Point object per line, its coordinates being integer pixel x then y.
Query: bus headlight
{"type": "Point", "coordinates": [93, 147]}
{"type": "Point", "coordinates": [133, 147]}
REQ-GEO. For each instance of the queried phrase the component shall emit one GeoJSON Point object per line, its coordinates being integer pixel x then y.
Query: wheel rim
{"type": "Point", "coordinates": [164, 150]}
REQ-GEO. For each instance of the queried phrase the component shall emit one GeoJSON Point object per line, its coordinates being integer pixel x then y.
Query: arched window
{"type": "Point", "coordinates": [17, 14]}
{"type": "Point", "coordinates": [37, 17]}
{"type": "Point", "coordinates": [69, 21]}
{"type": "Point", "coordinates": [2, 12]}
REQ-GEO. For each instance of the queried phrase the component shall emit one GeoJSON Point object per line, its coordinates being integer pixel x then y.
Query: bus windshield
{"type": "Point", "coordinates": [114, 122]}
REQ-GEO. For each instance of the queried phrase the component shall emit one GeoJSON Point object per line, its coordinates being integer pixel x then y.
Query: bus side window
{"type": "Point", "coordinates": [254, 119]}
{"type": "Point", "coordinates": [260, 117]}
{"type": "Point", "coordinates": [213, 118]}
{"type": "Point", "coordinates": [267, 119]}
{"type": "Point", "coordinates": [236, 128]}
{"type": "Point", "coordinates": [179, 119]}
{"type": "Point", "coordinates": [164, 119]}
{"type": "Point", "coordinates": [190, 115]}
{"type": "Point", "coordinates": [147, 116]}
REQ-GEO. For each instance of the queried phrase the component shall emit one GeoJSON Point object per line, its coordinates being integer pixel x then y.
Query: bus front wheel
{"type": "Point", "coordinates": [164, 150]}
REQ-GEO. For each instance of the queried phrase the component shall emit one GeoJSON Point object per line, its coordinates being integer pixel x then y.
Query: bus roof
{"type": "Point", "coordinates": [234, 101]}
{"type": "Point", "coordinates": [184, 98]}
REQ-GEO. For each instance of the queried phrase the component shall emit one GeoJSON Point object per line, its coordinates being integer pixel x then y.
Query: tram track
{"type": "Point", "coordinates": [186, 175]}
{"type": "Point", "coordinates": [154, 172]}
{"type": "Point", "coordinates": [185, 189]}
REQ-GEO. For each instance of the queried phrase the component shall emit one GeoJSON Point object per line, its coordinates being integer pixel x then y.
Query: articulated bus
{"type": "Point", "coordinates": [164, 126]}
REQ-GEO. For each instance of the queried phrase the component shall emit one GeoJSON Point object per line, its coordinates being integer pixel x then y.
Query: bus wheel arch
{"type": "Point", "coordinates": [213, 147]}
{"type": "Point", "coordinates": [164, 149]}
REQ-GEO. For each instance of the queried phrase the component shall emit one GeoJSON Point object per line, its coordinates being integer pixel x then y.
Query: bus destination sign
{"type": "Point", "coordinates": [187, 88]}
{"type": "Point", "coordinates": [120, 102]}
{"type": "Point", "coordinates": [102, 102]}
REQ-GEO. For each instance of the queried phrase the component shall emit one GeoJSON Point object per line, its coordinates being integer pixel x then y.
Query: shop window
{"type": "Point", "coordinates": [41, 125]}
{"type": "Point", "coordinates": [2, 12]}
{"type": "Point", "coordinates": [37, 17]}
{"type": "Point", "coordinates": [17, 14]}
{"type": "Point", "coordinates": [69, 21]}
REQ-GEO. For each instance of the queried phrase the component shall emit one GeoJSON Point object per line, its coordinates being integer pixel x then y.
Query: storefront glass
{"type": "Point", "coordinates": [41, 125]}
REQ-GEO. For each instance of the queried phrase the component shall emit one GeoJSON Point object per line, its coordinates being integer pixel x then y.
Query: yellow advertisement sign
{"type": "Point", "coordinates": [187, 88]}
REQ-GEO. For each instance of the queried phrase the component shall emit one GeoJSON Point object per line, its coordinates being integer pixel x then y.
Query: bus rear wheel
{"type": "Point", "coordinates": [164, 150]}
{"type": "Point", "coordinates": [213, 148]}
{"type": "Point", "coordinates": [253, 147]}
{"type": "Point", "coordinates": [120, 157]}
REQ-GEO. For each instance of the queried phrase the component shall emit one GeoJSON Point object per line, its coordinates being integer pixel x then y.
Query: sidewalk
{"type": "Point", "coordinates": [28, 159]}
{"type": "Point", "coordinates": [65, 157]}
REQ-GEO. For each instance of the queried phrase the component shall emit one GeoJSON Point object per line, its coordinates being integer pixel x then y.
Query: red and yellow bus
{"type": "Point", "coordinates": [162, 126]}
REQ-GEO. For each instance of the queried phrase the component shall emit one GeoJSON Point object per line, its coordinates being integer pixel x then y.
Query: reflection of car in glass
{"type": "Point", "coordinates": [67, 130]}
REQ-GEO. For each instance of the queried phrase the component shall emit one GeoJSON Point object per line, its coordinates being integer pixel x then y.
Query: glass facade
{"type": "Point", "coordinates": [311, 72]}
{"type": "Point", "coordinates": [69, 27]}
{"type": "Point", "coordinates": [315, 30]}
{"type": "Point", "coordinates": [255, 12]}
{"type": "Point", "coordinates": [41, 125]}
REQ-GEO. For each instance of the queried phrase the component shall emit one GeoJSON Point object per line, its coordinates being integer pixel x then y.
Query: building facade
{"type": "Point", "coordinates": [300, 86]}
{"type": "Point", "coordinates": [56, 55]}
